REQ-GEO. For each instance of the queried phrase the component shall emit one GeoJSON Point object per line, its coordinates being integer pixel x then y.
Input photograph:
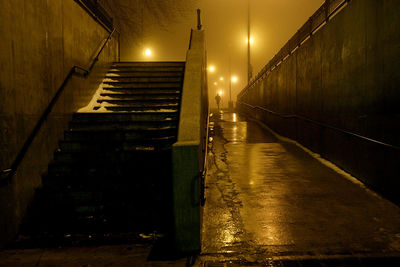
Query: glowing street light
{"type": "Point", "coordinates": [211, 68]}
{"type": "Point", "coordinates": [221, 78]}
{"type": "Point", "coordinates": [147, 52]}
{"type": "Point", "coordinates": [234, 79]}
{"type": "Point", "coordinates": [215, 83]}
{"type": "Point", "coordinates": [220, 92]}
{"type": "Point", "coordinates": [251, 40]}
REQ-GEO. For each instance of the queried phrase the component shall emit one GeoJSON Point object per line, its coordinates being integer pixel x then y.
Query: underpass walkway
{"type": "Point", "coordinates": [270, 202]}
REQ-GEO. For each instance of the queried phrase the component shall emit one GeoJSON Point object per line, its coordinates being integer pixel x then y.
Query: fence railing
{"type": "Point", "coordinates": [321, 16]}
{"type": "Point", "coordinates": [324, 125]}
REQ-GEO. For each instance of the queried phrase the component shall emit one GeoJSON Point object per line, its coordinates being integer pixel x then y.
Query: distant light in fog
{"type": "Point", "coordinates": [234, 79]}
{"type": "Point", "coordinates": [251, 40]}
{"type": "Point", "coordinates": [147, 52]}
{"type": "Point", "coordinates": [220, 92]}
{"type": "Point", "coordinates": [211, 68]}
{"type": "Point", "coordinates": [221, 78]}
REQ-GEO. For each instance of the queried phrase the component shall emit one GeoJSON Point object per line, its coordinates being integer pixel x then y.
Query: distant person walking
{"type": "Point", "coordinates": [218, 100]}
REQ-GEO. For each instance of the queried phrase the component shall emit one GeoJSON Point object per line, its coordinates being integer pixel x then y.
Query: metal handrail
{"type": "Point", "coordinates": [98, 13]}
{"type": "Point", "coordinates": [294, 116]}
{"type": "Point", "coordinates": [7, 174]}
{"type": "Point", "coordinates": [321, 16]}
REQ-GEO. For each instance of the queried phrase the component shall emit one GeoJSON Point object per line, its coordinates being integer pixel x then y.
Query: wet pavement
{"type": "Point", "coordinates": [269, 202]}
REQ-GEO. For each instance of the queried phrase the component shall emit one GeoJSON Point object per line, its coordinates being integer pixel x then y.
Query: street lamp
{"type": "Point", "coordinates": [211, 68]}
{"type": "Point", "coordinates": [249, 41]}
{"type": "Point", "coordinates": [147, 52]}
{"type": "Point", "coordinates": [221, 78]}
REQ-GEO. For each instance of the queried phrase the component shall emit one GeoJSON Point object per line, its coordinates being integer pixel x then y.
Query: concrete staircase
{"type": "Point", "coordinates": [112, 171]}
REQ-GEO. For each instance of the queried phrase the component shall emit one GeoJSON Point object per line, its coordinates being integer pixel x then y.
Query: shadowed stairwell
{"type": "Point", "coordinates": [110, 179]}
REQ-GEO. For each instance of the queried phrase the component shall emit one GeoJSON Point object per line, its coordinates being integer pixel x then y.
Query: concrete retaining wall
{"type": "Point", "coordinates": [347, 75]}
{"type": "Point", "coordinates": [188, 153]}
{"type": "Point", "coordinates": [40, 42]}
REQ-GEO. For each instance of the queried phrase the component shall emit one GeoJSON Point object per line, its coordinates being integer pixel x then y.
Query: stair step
{"type": "Point", "coordinates": [134, 80]}
{"type": "Point", "coordinates": [124, 117]}
{"type": "Point", "coordinates": [141, 91]}
{"type": "Point", "coordinates": [138, 109]}
{"type": "Point", "coordinates": [64, 176]}
{"type": "Point", "coordinates": [105, 157]}
{"type": "Point", "coordinates": [140, 103]}
{"type": "Point", "coordinates": [138, 98]}
{"type": "Point", "coordinates": [126, 135]}
{"type": "Point", "coordinates": [138, 95]}
{"type": "Point", "coordinates": [149, 63]}
{"type": "Point", "coordinates": [113, 172]}
{"type": "Point", "coordinates": [143, 74]}
{"type": "Point", "coordinates": [141, 85]}
{"type": "Point", "coordinates": [124, 125]}
{"type": "Point", "coordinates": [131, 69]}
{"type": "Point", "coordinates": [68, 146]}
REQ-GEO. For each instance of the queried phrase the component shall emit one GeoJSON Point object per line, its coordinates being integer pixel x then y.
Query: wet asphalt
{"type": "Point", "coordinates": [268, 201]}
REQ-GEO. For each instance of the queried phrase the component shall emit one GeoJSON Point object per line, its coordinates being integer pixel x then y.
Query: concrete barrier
{"type": "Point", "coordinates": [189, 150]}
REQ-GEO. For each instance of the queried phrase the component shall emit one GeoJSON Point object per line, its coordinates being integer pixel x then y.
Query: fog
{"type": "Point", "coordinates": [272, 22]}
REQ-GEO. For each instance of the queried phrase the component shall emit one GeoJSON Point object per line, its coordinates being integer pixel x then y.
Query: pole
{"type": "Point", "coordinates": [230, 103]}
{"type": "Point", "coordinates": [249, 71]}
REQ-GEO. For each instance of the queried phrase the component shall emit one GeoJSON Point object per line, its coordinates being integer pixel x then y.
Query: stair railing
{"type": "Point", "coordinates": [6, 175]}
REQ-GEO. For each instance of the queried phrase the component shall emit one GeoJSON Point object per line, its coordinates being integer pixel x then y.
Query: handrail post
{"type": "Point", "coordinates": [199, 26]}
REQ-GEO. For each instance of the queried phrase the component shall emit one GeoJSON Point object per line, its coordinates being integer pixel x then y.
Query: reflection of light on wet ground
{"type": "Point", "coordinates": [257, 169]}
{"type": "Point", "coordinates": [266, 195]}
{"type": "Point", "coordinates": [234, 134]}
{"type": "Point", "coordinates": [234, 117]}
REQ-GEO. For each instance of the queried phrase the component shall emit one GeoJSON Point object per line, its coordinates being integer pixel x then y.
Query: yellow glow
{"type": "Point", "coordinates": [234, 119]}
{"type": "Point", "coordinates": [147, 52]}
{"type": "Point", "coordinates": [211, 68]}
{"type": "Point", "coordinates": [251, 40]}
{"type": "Point", "coordinates": [234, 79]}
{"type": "Point", "coordinates": [215, 83]}
{"type": "Point", "coordinates": [220, 92]}
{"type": "Point", "coordinates": [221, 78]}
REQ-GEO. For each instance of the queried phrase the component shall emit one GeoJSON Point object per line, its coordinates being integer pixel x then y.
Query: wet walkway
{"type": "Point", "coordinates": [269, 201]}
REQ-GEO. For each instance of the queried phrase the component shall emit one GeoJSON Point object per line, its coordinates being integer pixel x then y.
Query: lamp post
{"type": "Point", "coordinates": [249, 69]}
{"type": "Point", "coordinates": [230, 103]}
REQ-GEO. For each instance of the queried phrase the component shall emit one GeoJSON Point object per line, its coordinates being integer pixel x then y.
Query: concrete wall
{"type": "Point", "coordinates": [347, 75]}
{"type": "Point", "coordinates": [40, 41]}
{"type": "Point", "coordinates": [188, 153]}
